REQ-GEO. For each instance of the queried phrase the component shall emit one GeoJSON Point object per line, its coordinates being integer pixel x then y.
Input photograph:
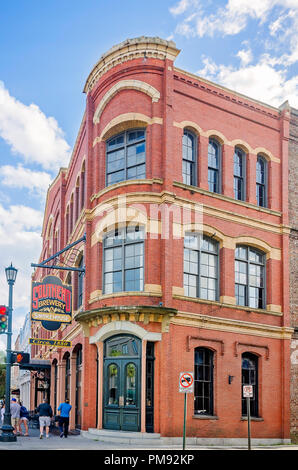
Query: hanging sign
{"type": "Point", "coordinates": [51, 302]}
{"type": "Point", "coordinates": [50, 342]}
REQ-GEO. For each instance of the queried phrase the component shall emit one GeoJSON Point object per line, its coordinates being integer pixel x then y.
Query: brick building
{"type": "Point", "coordinates": [293, 264]}
{"type": "Point", "coordinates": [181, 187]}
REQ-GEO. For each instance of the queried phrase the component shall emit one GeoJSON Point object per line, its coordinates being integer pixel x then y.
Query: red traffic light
{"type": "Point", "coordinates": [3, 310]}
{"type": "Point", "coordinates": [3, 317]}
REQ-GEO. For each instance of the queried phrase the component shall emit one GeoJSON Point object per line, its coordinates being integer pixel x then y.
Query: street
{"type": "Point", "coordinates": [78, 442]}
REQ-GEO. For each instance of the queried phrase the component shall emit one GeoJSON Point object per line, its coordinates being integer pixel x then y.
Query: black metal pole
{"type": "Point", "coordinates": [7, 429]}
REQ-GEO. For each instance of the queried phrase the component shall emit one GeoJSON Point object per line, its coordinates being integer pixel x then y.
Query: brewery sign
{"type": "Point", "coordinates": [51, 302]}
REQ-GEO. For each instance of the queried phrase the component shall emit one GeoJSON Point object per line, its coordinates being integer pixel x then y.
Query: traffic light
{"type": "Point", "coordinates": [3, 318]}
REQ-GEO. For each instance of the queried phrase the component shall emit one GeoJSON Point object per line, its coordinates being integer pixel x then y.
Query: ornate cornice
{"type": "Point", "coordinates": [142, 47]}
{"type": "Point", "coordinates": [144, 314]}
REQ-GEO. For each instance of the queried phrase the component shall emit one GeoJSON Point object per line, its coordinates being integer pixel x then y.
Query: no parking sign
{"type": "Point", "coordinates": [186, 382]}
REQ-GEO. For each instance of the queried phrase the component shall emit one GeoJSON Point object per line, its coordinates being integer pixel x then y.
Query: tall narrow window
{"type": "Point", "coordinates": [126, 157]}
{"type": "Point", "coordinates": [82, 188]}
{"type": "Point", "coordinates": [239, 174]}
{"type": "Point", "coordinates": [67, 376]}
{"type": "Point", "coordinates": [214, 164]}
{"type": "Point", "coordinates": [261, 177]}
{"type": "Point", "coordinates": [200, 267]}
{"type": "Point", "coordinates": [250, 277]}
{"type": "Point", "coordinates": [189, 158]}
{"type": "Point", "coordinates": [203, 394]}
{"type": "Point", "coordinates": [250, 377]}
{"type": "Point", "coordinates": [124, 260]}
{"type": "Point", "coordinates": [80, 284]}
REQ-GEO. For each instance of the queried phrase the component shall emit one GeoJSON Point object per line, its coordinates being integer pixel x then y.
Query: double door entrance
{"type": "Point", "coordinates": [122, 383]}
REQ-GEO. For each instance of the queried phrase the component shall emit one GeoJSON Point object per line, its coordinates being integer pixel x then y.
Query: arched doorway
{"type": "Point", "coordinates": [122, 383]}
{"type": "Point", "coordinates": [78, 403]}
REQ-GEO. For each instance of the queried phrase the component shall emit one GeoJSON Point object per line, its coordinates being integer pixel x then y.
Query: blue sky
{"type": "Point", "coordinates": [47, 49]}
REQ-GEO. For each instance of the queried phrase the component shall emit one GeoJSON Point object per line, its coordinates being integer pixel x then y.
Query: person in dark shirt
{"type": "Point", "coordinates": [45, 414]}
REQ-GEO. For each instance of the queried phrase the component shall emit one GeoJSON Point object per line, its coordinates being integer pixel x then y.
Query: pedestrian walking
{"type": "Point", "coordinates": [45, 414]}
{"type": "Point", "coordinates": [24, 419]}
{"type": "Point", "coordinates": [63, 420]}
{"type": "Point", "coordinates": [15, 415]}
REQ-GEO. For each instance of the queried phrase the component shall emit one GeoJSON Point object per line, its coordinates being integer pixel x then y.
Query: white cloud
{"type": "Point", "coordinates": [245, 55]}
{"type": "Point", "coordinates": [20, 244]}
{"type": "Point", "coordinates": [31, 134]}
{"type": "Point", "coordinates": [262, 81]}
{"type": "Point", "coordinates": [37, 182]}
{"type": "Point", "coordinates": [182, 6]}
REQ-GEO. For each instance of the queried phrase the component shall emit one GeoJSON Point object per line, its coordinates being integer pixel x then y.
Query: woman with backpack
{"type": "Point", "coordinates": [24, 418]}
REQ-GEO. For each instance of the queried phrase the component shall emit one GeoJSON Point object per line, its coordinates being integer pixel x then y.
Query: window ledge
{"type": "Point", "coordinates": [225, 305]}
{"type": "Point", "coordinates": [205, 417]}
{"type": "Point", "coordinates": [196, 189]}
{"type": "Point", "coordinates": [252, 418]}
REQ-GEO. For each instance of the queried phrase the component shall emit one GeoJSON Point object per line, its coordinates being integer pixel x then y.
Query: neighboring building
{"type": "Point", "coordinates": [181, 187]}
{"type": "Point", "coordinates": [24, 378]}
{"type": "Point", "coordinates": [14, 379]}
{"type": "Point", "coordinates": [293, 216]}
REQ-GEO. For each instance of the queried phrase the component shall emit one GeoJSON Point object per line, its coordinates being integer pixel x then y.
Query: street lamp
{"type": "Point", "coordinates": [7, 429]}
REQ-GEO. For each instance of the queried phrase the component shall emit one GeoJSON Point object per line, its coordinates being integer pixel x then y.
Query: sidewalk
{"type": "Point", "coordinates": [77, 442]}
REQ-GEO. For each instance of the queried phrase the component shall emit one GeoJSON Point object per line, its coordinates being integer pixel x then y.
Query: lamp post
{"type": "Point", "coordinates": [7, 429]}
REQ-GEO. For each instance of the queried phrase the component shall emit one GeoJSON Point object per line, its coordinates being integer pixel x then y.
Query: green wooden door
{"type": "Point", "coordinates": [122, 380]}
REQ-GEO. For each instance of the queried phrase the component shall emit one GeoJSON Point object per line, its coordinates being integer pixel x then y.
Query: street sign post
{"type": "Point", "coordinates": [186, 385]}
{"type": "Point", "coordinates": [248, 394]}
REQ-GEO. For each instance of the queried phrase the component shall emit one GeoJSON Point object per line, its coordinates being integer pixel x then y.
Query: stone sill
{"type": "Point", "coordinates": [221, 304]}
{"type": "Point", "coordinates": [205, 417]}
{"type": "Point", "coordinates": [205, 192]}
{"type": "Point", "coordinates": [244, 418]}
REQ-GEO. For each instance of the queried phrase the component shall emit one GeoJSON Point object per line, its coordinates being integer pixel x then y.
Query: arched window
{"type": "Point", "coordinates": [80, 284]}
{"type": "Point", "coordinates": [203, 382]}
{"type": "Point", "coordinates": [261, 181]}
{"type": "Point", "coordinates": [124, 260]}
{"type": "Point", "coordinates": [201, 267]}
{"type": "Point", "coordinates": [239, 174]}
{"type": "Point", "coordinates": [82, 187]}
{"type": "Point", "coordinates": [126, 157]}
{"type": "Point", "coordinates": [250, 277]}
{"type": "Point", "coordinates": [214, 166]}
{"type": "Point", "coordinates": [250, 377]}
{"type": "Point", "coordinates": [189, 146]}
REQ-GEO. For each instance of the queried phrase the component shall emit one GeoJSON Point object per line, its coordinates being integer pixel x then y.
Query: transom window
{"type": "Point", "coordinates": [239, 174]}
{"type": "Point", "coordinates": [250, 277]}
{"type": "Point", "coordinates": [124, 260]}
{"type": "Point", "coordinates": [189, 158]}
{"type": "Point", "coordinates": [200, 267]}
{"type": "Point", "coordinates": [126, 157]}
{"type": "Point", "coordinates": [203, 386]}
{"type": "Point", "coordinates": [261, 178]}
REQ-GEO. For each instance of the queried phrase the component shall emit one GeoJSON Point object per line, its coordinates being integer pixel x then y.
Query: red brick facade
{"type": "Point", "coordinates": [136, 86]}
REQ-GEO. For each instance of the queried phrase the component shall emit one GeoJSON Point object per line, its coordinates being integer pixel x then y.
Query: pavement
{"type": "Point", "coordinates": [77, 442]}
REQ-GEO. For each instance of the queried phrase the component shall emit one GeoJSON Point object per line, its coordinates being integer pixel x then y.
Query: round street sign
{"type": "Point", "coordinates": [186, 382]}
{"type": "Point", "coordinates": [248, 391]}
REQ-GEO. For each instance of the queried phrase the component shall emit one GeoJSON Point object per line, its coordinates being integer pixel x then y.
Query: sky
{"type": "Point", "coordinates": [47, 50]}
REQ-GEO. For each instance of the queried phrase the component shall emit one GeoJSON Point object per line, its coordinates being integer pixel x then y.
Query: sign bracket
{"type": "Point", "coordinates": [44, 265]}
